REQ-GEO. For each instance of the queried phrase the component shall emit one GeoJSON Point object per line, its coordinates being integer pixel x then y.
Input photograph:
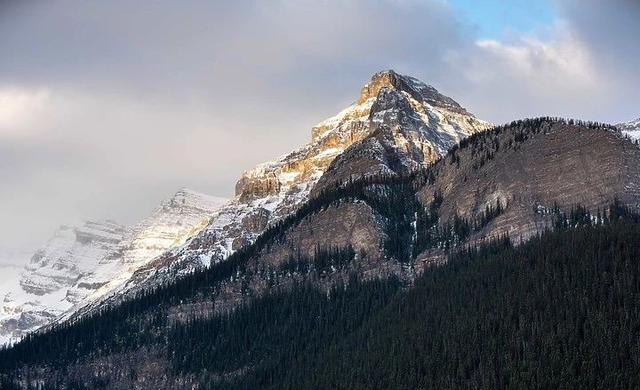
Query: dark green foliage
{"type": "Point", "coordinates": [431, 233]}
{"type": "Point", "coordinates": [324, 261]}
{"type": "Point", "coordinates": [581, 216]}
{"type": "Point", "coordinates": [561, 311]}
{"type": "Point", "coordinates": [269, 335]}
{"type": "Point", "coordinates": [427, 235]}
{"type": "Point", "coordinates": [327, 261]}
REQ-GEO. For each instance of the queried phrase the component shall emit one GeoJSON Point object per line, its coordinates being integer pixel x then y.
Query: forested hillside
{"type": "Point", "coordinates": [561, 311]}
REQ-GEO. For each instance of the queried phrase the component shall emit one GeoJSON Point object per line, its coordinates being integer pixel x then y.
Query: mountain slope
{"type": "Point", "coordinates": [553, 313]}
{"type": "Point", "coordinates": [530, 168]}
{"type": "Point", "coordinates": [419, 125]}
{"type": "Point", "coordinates": [374, 228]}
{"type": "Point", "coordinates": [81, 264]}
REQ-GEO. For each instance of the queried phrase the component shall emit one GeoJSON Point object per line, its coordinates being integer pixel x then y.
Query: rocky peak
{"type": "Point", "coordinates": [186, 198]}
{"type": "Point", "coordinates": [418, 90]}
{"type": "Point", "coordinates": [390, 101]}
{"type": "Point", "coordinates": [397, 124]}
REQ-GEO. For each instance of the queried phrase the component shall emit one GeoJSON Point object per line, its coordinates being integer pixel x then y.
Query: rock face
{"type": "Point", "coordinates": [414, 125]}
{"type": "Point", "coordinates": [531, 172]}
{"type": "Point", "coordinates": [81, 264]}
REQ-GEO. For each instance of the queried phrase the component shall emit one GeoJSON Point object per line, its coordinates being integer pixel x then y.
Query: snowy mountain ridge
{"type": "Point", "coordinates": [80, 264]}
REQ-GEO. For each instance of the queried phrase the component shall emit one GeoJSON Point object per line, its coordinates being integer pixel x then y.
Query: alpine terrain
{"type": "Point", "coordinates": [408, 245]}
{"type": "Point", "coordinates": [80, 264]}
{"type": "Point", "coordinates": [81, 267]}
{"type": "Point", "coordinates": [402, 123]}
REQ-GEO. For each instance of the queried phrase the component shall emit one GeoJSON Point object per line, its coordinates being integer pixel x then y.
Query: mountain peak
{"type": "Point", "coordinates": [417, 89]}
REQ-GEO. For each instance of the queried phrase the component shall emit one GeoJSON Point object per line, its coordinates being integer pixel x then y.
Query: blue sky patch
{"type": "Point", "coordinates": [494, 19]}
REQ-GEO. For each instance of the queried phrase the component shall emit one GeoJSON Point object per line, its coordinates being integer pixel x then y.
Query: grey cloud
{"type": "Point", "coordinates": [146, 97]}
{"type": "Point", "coordinates": [611, 29]}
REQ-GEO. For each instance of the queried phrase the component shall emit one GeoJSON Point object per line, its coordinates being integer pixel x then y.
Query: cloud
{"type": "Point", "coordinates": [584, 65]}
{"type": "Point", "coordinates": [109, 108]}
{"type": "Point", "coordinates": [19, 107]}
{"type": "Point", "coordinates": [543, 64]}
{"type": "Point", "coordinates": [610, 29]}
{"type": "Point", "coordinates": [530, 77]}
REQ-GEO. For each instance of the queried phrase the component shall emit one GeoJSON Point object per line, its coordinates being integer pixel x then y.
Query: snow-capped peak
{"type": "Point", "coordinates": [191, 230]}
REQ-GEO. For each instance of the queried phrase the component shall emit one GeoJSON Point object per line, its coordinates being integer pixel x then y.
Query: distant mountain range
{"type": "Point", "coordinates": [81, 264]}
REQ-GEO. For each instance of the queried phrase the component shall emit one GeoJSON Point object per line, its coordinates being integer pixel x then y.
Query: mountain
{"type": "Point", "coordinates": [401, 123]}
{"type": "Point", "coordinates": [311, 282]}
{"type": "Point", "coordinates": [630, 129]}
{"type": "Point", "coordinates": [81, 264]}
{"type": "Point", "coordinates": [83, 267]}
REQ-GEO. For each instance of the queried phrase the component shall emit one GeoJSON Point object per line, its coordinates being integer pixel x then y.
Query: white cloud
{"type": "Point", "coordinates": [20, 108]}
{"type": "Point", "coordinates": [530, 76]}
{"type": "Point", "coordinates": [564, 62]}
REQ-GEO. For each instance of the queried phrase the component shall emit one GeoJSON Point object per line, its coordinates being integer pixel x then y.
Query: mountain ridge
{"type": "Point", "coordinates": [79, 264]}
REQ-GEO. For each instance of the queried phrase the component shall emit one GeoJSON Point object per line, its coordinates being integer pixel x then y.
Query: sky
{"type": "Point", "coordinates": [106, 108]}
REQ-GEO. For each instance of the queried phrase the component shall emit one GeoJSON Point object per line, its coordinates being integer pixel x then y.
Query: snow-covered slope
{"type": "Point", "coordinates": [81, 264]}
{"type": "Point", "coordinates": [422, 125]}
{"type": "Point", "coordinates": [630, 129]}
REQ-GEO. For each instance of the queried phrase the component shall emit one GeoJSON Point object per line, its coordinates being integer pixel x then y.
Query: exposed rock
{"type": "Point", "coordinates": [564, 165]}
{"type": "Point", "coordinates": [415, 88]}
